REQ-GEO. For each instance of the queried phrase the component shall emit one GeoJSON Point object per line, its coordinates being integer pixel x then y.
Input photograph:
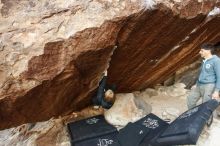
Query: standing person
{"type": "Point", "coordinates": [208, 83]}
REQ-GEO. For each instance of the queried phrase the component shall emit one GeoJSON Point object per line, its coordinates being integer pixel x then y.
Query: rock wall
{"type": "Point", "coordinates": [54, 52]}
{"type": "Point", "coordinates": [153, 47]}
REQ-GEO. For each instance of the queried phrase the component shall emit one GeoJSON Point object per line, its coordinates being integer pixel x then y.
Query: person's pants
{"type": "Point", "coordinates": [203, 90]}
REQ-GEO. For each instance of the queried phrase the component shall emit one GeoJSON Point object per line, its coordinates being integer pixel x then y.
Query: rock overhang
{"type": "Point", "coordinates": [151, 45]}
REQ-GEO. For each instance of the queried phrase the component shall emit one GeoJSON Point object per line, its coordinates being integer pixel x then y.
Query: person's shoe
{"type": "Point", "coordinates": [96, 107]}
{"type": "Point", "coordinates": [209, 122]}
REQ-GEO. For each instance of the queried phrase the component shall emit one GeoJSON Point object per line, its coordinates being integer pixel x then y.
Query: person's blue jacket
{"type": "Point", "coordinates": [210, 72]}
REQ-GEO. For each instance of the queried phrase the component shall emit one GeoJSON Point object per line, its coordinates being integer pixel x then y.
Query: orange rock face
{"type": "Point", "coordinates": [153, 47]}
{"type": "Point", "coordinates": [152, 44]}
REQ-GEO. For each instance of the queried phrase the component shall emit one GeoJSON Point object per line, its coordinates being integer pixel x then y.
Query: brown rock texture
{"type": "Point", "coordinates": [159, 48]}
{"type": "Point", "coordinates": [54, 52]}
{"type": "Point", "coordinates": [54, 55]}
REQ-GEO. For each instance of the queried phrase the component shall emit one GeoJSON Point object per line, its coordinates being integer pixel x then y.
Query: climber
{"type": "Point", "coordinates": [105, 95]}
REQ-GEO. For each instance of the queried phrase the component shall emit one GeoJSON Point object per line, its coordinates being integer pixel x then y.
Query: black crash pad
{"type": "Point", "coordinates": [89, 130]}
{"type": "Point", "coordinates": [155, 125]}
{"type": "Point", "coordinates": [105, 140]}
{"type": "Point", "coordinates": [131, 135]}
{"type": "Point", "coordinates": [188, 126]}
{"type": "Point", "coordinates": [148, 131]}
{"type": "Point", "coordinates": [141, 132]}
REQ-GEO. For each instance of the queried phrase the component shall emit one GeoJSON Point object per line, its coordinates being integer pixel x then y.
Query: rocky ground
{"type": "Point", "coordinates": [165, 102]}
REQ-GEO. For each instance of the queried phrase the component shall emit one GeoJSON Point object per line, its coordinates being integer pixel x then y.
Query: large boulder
{"type": "Point", "coordinates": [127, 108]}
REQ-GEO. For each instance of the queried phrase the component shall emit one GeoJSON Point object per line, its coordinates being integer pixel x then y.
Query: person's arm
{"type": "Point", "coordinates": [101, 89]}
{"type": "Point", "coordinates": [106, 73]}
{"type": "Point", "coordinates": [215, 94]}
